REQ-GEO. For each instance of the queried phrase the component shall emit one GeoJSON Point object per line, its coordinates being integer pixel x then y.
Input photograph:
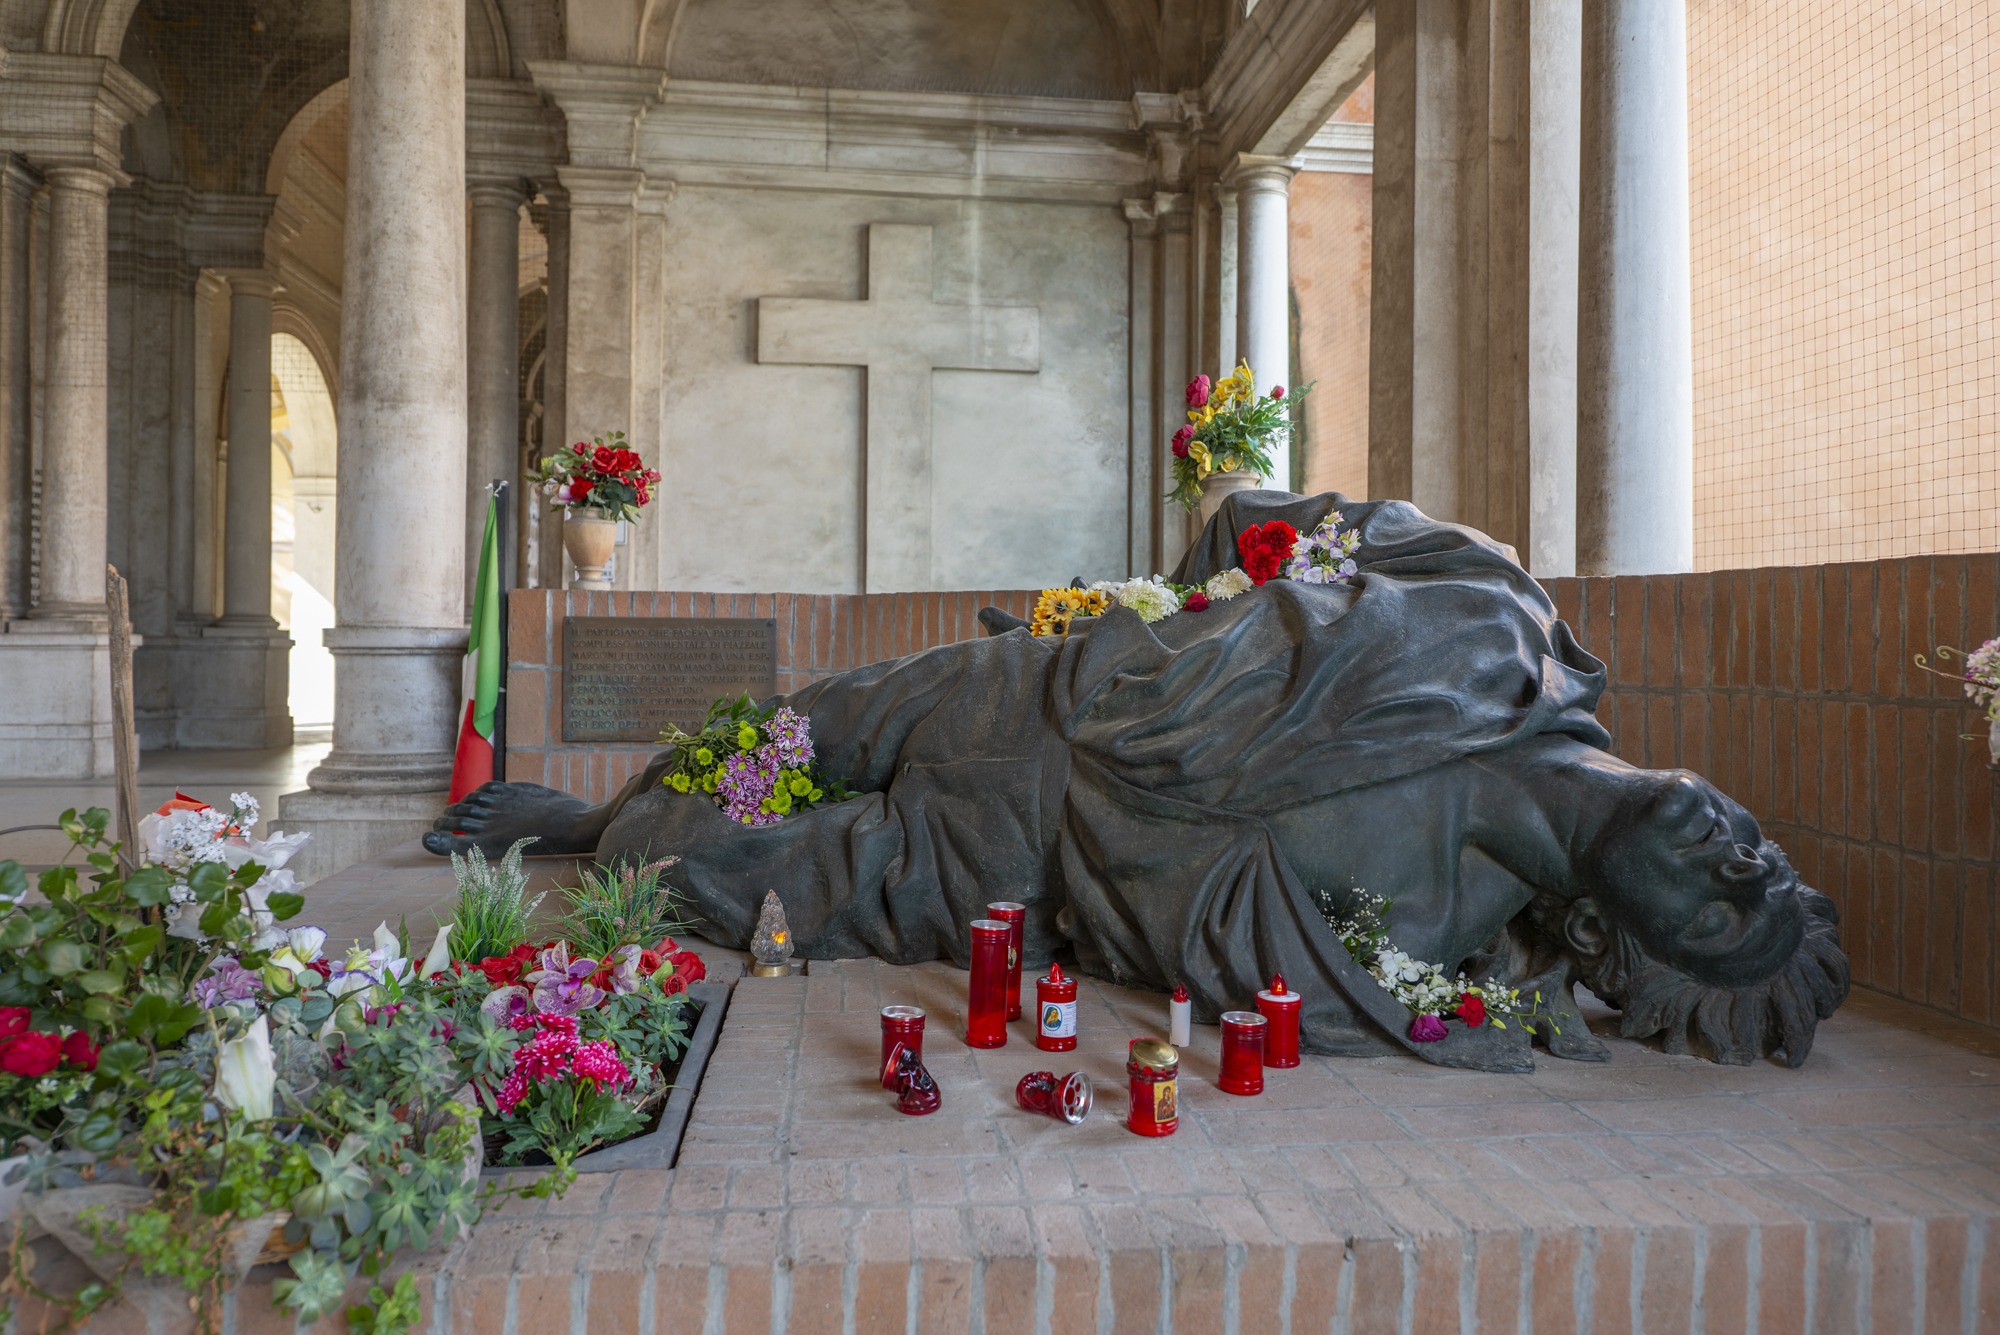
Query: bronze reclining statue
{"type": "Point", "coordinates": [1175, 802]}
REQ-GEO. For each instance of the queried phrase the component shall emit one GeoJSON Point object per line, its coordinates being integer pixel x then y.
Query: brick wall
{"type": "Point", "coordinates": [818, 635]}
{"type": "Point", "coordinates": [1793, 689]}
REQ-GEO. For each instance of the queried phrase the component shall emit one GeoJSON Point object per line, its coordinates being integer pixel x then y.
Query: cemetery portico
{"type": "Point", "coordinates": [899, 311]}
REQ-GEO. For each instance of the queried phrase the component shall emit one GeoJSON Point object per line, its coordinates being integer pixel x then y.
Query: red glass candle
{"type": "Point", "coordinates": [1243, 1052]}
{"type": "Point", "coordinates": [1153, 1067]}
{"type": "Point", "coordinates": [1055, 1011]}
{"type": "Point", "coordinates": [905, 1025]}
{"type": "Point", "coordinates": [1067, 1099]}
{"type": "Point", "coordinates": [986, 1005]}
{"type": "Point", "coordinates": [1281, 1008]}
{"type": "Point", "coordinates": [1016, 918]}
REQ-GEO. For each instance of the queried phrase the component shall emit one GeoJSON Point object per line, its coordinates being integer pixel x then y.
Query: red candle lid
{"type": "Point", "coordinates": [1055, 975]}
{"type": "Point", "coordinates": [1277, 990]}
{"type": "Point", "coordinates": [1180, 993]}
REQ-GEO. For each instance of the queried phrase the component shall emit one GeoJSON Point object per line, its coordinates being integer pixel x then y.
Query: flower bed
{"type": "Point", "coordinates": [188, 1081]}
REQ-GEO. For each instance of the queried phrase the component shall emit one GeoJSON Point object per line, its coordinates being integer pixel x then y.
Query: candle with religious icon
{"type": "Point", "coordinates": [986, 1005]}
{"type": "Point", "coordinates": [1281, 1008]}
{"type": "Point", "coordinates": [1055, 1011]}
{"type": "Point", "coordinates": [1067, 1099]}
{"type": "Point", "coordinates": [1243, 1052]}
{"type": "Point", "coordinates": [1179, 1015]}
{"type": "Point", "coordinates": [904, 1025]}
{"type": "Point", "coordinates": [1153, 1069]}
{"type": "Point", "coordinates": [1016, 918]}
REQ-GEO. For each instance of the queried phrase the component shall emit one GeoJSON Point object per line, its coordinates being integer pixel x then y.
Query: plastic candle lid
{"type": "Point", "coordinates": [1154, 1054]}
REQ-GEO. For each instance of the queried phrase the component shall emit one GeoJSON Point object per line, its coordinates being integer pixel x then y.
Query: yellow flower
{"type": "Point", "coordinates": [1199, 453]}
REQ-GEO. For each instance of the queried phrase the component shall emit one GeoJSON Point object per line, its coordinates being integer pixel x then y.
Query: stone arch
{"type": "Point", "coordinates": [87, 27]}
{"type": "Point", "coordinates": [488, 54]}
{"type": "Point", "coordinates": [329, 99]}
{"type": "Point", "coordinates": [288, 318]}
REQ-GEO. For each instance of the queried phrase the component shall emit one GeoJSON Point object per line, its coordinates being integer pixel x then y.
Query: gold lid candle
{"type": "Point", "coordinates": [1153, 1068]}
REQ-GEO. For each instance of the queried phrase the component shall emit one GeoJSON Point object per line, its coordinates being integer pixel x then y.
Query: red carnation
{"type": "Point", "coordinates": [13, 1020]}
{"type": "Point", "coordinates": [1265, 548]}
{"type": "Point", "coordinates": [1197, 392]}
{"type": "Point", "coordinates": [80, 1052]}
{"type": "Point", "coordinates": [30, 1056]}
{"type": "Point", "coordinates": [579, 487]}
{"type": "Point", "coordinates": [1281, 537]}
{"type": "Point", "coordinates": [1181, 439]}
{"type": "Point", "coordinates": [1197, 602]}
{"type": "Point", "coordinates": [1472, 1010]}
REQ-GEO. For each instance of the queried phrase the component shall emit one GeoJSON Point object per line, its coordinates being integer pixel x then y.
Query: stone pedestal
{"type": "Point", "coordinates": [58, 677]}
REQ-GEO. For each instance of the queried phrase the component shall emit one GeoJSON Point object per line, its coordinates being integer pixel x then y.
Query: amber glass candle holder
{"type": "Point", "coordinates": [986, 1004]}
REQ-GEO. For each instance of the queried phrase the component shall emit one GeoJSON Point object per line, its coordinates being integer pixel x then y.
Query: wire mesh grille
{"type": "Point", "coordinates": [1845, 279]}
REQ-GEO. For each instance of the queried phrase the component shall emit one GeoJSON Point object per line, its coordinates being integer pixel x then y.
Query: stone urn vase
{"type": "Point", "coordinates": [1216, 486]}
{"type": "Point", "coordinates": [588, 537]}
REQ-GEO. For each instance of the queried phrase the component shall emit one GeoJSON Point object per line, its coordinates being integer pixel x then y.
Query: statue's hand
{"type": "Point", "coordinates": [495, 815]}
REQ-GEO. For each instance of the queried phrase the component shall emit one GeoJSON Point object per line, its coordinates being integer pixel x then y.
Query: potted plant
{"type": "Point", "coordinates": [1225, 445]}
{"type": "Point", "coordinates": [595, 485]}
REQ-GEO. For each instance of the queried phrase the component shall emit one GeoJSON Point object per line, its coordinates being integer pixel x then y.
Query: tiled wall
{"type": "Point", "coordinates": [1793, 689]}
{"type": "Point", "coordinates": [818, 634]}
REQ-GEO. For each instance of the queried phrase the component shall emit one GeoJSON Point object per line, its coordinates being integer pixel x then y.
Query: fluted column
{"type": "Point", "coordinates": [77, 411]}
{"type": "Point", "coordinates": [246, 565]}
{"type": "Point", "coordinates": [17, 187]}
{"type": "Point", "coordinates": [1635, 358]}
{"type": "Point", "coordinates": [1264, 278]}
{"type": "Point", "coordinates": [400, 602]}
{"type": "Point", "coordinates": [493, 366]}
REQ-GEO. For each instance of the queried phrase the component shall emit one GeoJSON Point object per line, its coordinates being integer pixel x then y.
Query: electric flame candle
{"type": "Point", "coordinates": [1016, 918]}
{"type": "Point", "coordinates": [1281, 1008]}
{"type": "Point", "coordinates": [1178, 1017]}
{"type": "Point", "coordinates": [1068, 1099]}
{"type": "Point", "coordinates": [1055, 1011]}
{"type": "Point", "coordinates": [1152, 1067]}
{"type": "Point", "coordinates": [904, 1025]}
{"type": "Point", "coordinates": [1243, 1052]}
{"type": "Point", "coordinates": [771, 947]}
{"type": "Point", "coordinates": [986, 1005]}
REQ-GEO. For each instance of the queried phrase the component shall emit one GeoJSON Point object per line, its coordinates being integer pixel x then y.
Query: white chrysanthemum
{"type": "Point", "coordinates": [1227, 585]}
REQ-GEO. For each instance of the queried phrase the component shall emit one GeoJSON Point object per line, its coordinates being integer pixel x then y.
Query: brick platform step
{"type": "Point", "coordinates": [1644, 1195]}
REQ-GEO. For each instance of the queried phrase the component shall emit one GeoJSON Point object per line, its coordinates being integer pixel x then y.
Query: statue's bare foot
{"type": "Point", "coordinates": [494, 816]}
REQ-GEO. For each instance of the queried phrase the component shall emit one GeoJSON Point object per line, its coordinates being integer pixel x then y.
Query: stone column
{"type": "Point", "coordinates": [1264, 278]}
{"type": "Point", "coordinates": [246, 565]}
{"type": "Point", "coordinates": [555, 380]}
{"type": "Point", "coordinates": [399, 597]}
{"type": "Point", "coordinates": [493, 363]}
{"type": "Point", "coordinates": [1227, 281]}
{"type": "Point", "coordinates": [17, 187]}
{"type": "Point", "coordinates": [78, 411]}
{"type": "Point", "coordinates": [1635, 368]}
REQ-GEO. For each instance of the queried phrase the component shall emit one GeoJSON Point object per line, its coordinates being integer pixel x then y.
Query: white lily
{"type": "Point", "coordinates": [438, 958]}
{"type": "Point", "coordinates": [246, 1072]}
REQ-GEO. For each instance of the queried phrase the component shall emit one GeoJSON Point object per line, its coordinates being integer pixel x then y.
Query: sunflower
{"type": "Point", "coordinates": [1055, 607]}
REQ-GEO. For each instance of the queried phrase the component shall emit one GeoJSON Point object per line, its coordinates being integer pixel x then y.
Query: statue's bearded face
{"type": "Point", "coordinates": [1687, 872]}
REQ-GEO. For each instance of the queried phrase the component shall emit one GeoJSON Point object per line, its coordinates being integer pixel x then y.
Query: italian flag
{"type": "Point", "coordinates": [473, 765]}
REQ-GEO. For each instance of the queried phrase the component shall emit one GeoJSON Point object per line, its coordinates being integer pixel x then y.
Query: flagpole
{"type": "Point", "coordinates": [501, 488]}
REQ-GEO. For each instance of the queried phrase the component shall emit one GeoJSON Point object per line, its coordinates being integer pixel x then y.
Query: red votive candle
{"type": "Point", "coordinates": [1281, 1008]}
{"type": "Point", "coordinates": [1016, 918]}
{"type": "Point", "coordinates": [1055, 1011]}
{"type": "Point", "coordinates": [905, 1025]}
{"type": "Point", "coordinates": [986, 1004]}
{"type": "Point", "coordinates": [1243, 1052]}
{"type": "Point", "coordinates": [1153, 1067]}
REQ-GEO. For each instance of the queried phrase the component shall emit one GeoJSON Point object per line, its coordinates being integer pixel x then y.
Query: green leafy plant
{"type": "Point", "coordinates": [622, 905]}
{"type": "Point", "coordinates": [492, 911]}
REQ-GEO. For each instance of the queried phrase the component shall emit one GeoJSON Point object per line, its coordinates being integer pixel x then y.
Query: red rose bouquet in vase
{"type": "Point", "coordinates": [595, 485]}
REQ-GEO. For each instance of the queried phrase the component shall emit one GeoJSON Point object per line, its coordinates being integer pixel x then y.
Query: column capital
{"type": "Point", "coordinates": [1255, 171]}
{"type": "Point", "coordinates": [63, 110]}
{"type": "Point", "coordinates": [511, 130]}
{"type": "Point", "coordinates": [602, 187]}
{"type": "Point", "coordinates": [602, 106]}
{"type": "Point", "coordinates": [85, 179]}
{"type": "Point", "coordinates": [496, 192]}
{"type": "Point", "coordinates": [226, 231]}
{"type": "Point", "coordinates": [252, 283]}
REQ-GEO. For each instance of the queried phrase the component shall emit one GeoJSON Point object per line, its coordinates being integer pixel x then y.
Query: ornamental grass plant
{"type": "Point", "coordinates": [623, 905]}
{"type": "Point", "coordinates": [490, 916]}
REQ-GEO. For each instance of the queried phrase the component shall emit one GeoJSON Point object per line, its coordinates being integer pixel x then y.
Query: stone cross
{"type": "Point", "coordinates": [901, 335]}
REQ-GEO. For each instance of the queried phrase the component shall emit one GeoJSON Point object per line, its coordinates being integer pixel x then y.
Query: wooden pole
{"type": "Point", "coordinates": [125, 731]}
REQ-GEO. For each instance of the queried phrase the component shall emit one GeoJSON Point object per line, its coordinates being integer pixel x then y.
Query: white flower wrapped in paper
{"type": "Point", "coordinates": [246, 1073]}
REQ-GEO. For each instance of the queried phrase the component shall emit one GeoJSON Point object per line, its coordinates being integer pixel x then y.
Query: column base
{"type": "Point", "coordinates": [347, 828]}
{"type": "Point", "coordinates": [58, 676]}
{"type": "Point", "coordinates": [222, 688]}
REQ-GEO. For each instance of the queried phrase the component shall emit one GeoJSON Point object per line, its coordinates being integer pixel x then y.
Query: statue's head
{"type": "Point", "coordinates": [1692, 918]}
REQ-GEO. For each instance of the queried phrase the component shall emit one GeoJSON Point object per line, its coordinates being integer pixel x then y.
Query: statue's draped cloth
{"type": "Point", "coordinates": [1117, 781]}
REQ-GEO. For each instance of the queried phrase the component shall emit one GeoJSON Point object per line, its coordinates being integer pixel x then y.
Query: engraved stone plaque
{"type": "Point", "coordinates": [627, 679]}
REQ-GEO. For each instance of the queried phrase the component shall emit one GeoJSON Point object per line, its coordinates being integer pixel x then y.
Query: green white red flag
{"type": "Point", "coordinates": [473, 763]}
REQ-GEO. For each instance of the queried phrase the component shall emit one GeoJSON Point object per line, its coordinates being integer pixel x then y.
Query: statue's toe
{"type": "Point", "coordinates": [443, 843]}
